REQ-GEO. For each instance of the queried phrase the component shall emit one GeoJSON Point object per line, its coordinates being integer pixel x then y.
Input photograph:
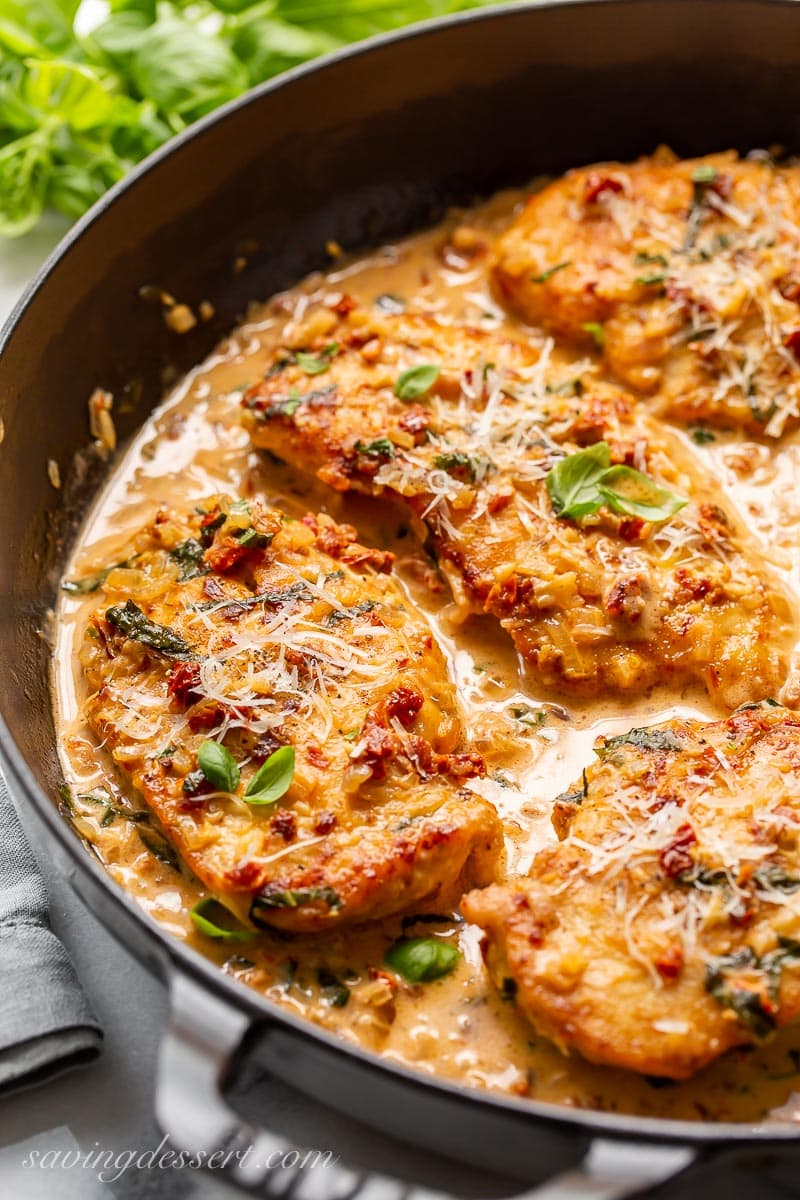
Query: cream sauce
{"type": "Point", "coordinates": [194, 446]}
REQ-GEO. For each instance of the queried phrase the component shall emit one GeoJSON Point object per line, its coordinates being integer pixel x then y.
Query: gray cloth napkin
{"type": "Point", "coordinates": [46, 1024]}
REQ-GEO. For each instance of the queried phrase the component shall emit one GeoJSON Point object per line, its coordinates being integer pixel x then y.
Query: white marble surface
{"type": "Point", "coordinates": [109, 1105]}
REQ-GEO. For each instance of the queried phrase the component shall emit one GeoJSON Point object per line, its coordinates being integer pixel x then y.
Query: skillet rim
{"type": "Point", "coordinates": [182, 958]}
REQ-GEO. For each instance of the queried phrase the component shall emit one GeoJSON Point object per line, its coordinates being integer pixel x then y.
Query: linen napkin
{"type": "Point", "coordinates": [46, 1024]}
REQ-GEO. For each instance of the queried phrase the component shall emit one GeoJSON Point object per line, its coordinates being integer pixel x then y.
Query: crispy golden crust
{"type": "Point", "coordinates": [689, 267]}
{"type": "Point", "coordinates": [662, 929]}
{"type": "Point", "coordinates": [609, 602]}
{"type": "Point", "coordinates": [286, 635]}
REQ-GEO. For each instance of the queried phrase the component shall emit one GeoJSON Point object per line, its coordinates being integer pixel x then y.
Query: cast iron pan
{"type": "Point", "coordinates": [361, 148]}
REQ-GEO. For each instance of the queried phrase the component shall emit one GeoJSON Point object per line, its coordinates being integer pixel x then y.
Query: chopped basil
{"type": "Point", "coordinates": [347, 614]}
{"type": "Point", "coordinates": [317, 364]}
{"type": "Point", "coordinates": [702, 436]}
{"type": "Point", "coordinates": [336, 992]}
{"type": "Point", "coordinates": [548, 274]}
{"type": "Point", "coordinates": [577, 795]}
{"type": "Point", "coordinates": [652, 278]}
{"type": "Point", "coordinates": [292, 898]}
{"type": "Point", "coordinates": [160, 848]}
{"type": "Point", "coordinates": [252, 539]}
{"type": "Point", "coordinates": [416, 381]}
{"type": "Point", "coordinates": [642, 258]}
{"type": "Point", "coordinates": [641, 739]}
{"type": "Point", "coordinates": [704, 174]}
{"type": "Point", "coordinates": [456, 463]}
{"type": "Point", "coordinates": [218, 765]}
{"type": "Point", "coordinates": [703, 177]}
{"type": "Point", "coordinates": [207, 915]}
{"type": "Point", "coordinates": [754, 1006]}
{"type": "Point", "coordinates": [273, 778]}
{"type": "Point", "coordinates": [380, 448]}
{"type": "Point", "coordinates": [103, 798]}
{"type": "Point", "coordinates": [91, 583]}
{"type": "Point", "coordinates": [421, 960]}
{"type": "Point", "coordinates": [132, 623]}
{"type": "Point", "coordinates": [597, 332]}
{"type": "Point", "coordinates": [189, 557]}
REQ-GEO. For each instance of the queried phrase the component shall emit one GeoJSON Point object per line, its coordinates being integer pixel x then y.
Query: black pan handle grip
{"type": "Point", "coordinates": [202, 1041]}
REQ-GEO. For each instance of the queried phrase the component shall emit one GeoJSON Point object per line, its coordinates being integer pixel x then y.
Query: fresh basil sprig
{"type": "Point", "coordinates": [273, 778]}
{"type": "Point", "coordinates": [581, 483]}
{"type": "Point", "coordinates": [218, 765]}
{"type": "Point", "coordinates": [80, 106]}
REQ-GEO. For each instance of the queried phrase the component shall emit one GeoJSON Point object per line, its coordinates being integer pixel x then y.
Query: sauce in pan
{"type": "Point", "coordinates": [535, 745]}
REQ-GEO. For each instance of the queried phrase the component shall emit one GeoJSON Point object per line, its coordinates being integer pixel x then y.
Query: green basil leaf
{"type": "Point", "coordinates": [597, 332]}
{"type": "Point", "coordinates": [352, 20]}
{"type": "Point", "coordinates": [421, 960]}
{"type": "Point", "coordinates": [273, 778]}
{"type": "Point", "coordinates": [24, 174]}
{"type": "Point", "coordinates": [572, 484]}
{"type": "Point", "coordinates": [548, 274]}
{"type": "Point", "coordinates": [316, 364]}
{"type": "Point", "coordinates": [207, 915]}
{"type": "Point", "coordinates": [72, 92]}
{"type": "Point", "coordinates": [626, 490]}
{"type": "Point", "coordinates": [183, 70]}
{"type": "Point", "coordinates": [416, 381]}
{"type": "Point", "coordinates": [267, 46]}
{"type": "Point", "coordinates": [218, 765]}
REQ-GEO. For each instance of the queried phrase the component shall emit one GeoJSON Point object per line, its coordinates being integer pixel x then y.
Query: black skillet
{"type": "Point", "coordinates": [363, 147]}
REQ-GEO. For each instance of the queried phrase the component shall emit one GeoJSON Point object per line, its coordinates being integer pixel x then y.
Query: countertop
{"type": "Point", "coordinates": [109, 1105]}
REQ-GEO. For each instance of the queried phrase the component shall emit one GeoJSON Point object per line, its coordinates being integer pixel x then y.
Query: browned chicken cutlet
{"type": "Point", "coordinates": [236, 625]}
{"type": "Point", "coordinates": [686, 273]}
{"type": "Point", "coordinates": [464, 427]}
{"type": "Point", "coordinates": [664, 928]}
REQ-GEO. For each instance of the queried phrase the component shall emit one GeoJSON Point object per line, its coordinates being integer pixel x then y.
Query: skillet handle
{"type": "Point", "coordinates": [199, 1048]}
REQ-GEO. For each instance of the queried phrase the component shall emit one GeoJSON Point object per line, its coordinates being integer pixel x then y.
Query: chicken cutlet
{"type": "Point", "coordinates": [664, 927]}
{"type": "Point", "coordinates": [284, 711]}
{"type": "Point", "coordinates": [490, 441]}
{"type": "Point", "coordinates": [682, 273]}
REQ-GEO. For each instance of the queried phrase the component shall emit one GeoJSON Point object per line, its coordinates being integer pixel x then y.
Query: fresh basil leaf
{"type": "Point", "coordinates": [24, 174]}
{"type": "Point", "coordinates": [572, 484]}
{"type": "Point", "coordinates": [37, 27]}
{"type": "Point", "coordinates": [421, 960]}
{"type": "Point", "coordinates": [218, 765]}
{"type": "Point", "coordinates": [416, 381]}
{"type": "Point", "coordinates": [183, 70]}
{"type": "Point", "coordinates": [705, 173]}
{"type": "Point", "coordinates": [352, 20]}
{"type": "Point", "coordinates": [267, 46]}
{"type": "Point", "coordinates": [69, 91]}
{"type": "Point", "coordinates": [626, 490]}
{"type": "Point", "coordinates": [273, 778]}
{"type": "Point", "coordinates": [208, 916]}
